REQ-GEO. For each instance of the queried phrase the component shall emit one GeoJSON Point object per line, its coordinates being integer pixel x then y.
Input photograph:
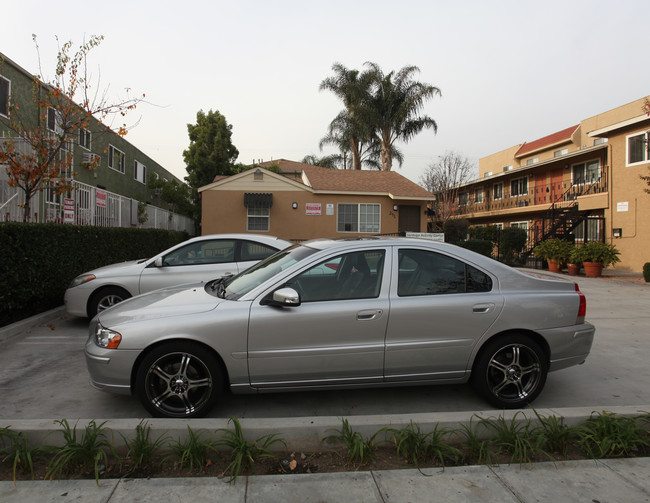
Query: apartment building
{"type": "Point", "coordinates": [581, 183]}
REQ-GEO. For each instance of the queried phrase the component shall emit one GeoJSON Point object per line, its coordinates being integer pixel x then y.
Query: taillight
{"type": "Point", "coordinates": [582, 310]}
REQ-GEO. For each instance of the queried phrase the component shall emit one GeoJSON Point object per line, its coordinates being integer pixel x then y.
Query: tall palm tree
{"type": "Point", "coordinates": [341, 134]}
{"type": "Point", "coordinates": [392, 108]}
{"type": "Point", "coordinates": [351, 86]}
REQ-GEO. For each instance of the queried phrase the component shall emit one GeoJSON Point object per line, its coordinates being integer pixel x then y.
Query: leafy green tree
{"type": "Point", "coordinates": [178, 196]}
{"type": "Point", "coordinates": [349, 131]}
{"type": "Point", "coordinates": [329, 161]}
{"type": "Point", "coordinates": [211, 152]}
{"type": "Point", "coordinates": [393, 111]}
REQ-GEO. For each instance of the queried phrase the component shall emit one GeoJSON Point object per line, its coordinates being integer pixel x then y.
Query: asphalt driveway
{"type": "Point", "coordinates": [43, 373]}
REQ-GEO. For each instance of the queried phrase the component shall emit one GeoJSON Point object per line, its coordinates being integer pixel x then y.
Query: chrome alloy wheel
{"type": "Point", "coordinates": [178, 384]}
{"type": "Point", "coordinates": [108, 301]}
{"type": "Point", "coordinates": [514, 372]}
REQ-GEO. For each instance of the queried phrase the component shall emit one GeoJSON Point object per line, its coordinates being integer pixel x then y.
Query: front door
{"type": "Point", "coordinates": [409, 219]}
{"type": "Point", "coordinates": [336, 336]}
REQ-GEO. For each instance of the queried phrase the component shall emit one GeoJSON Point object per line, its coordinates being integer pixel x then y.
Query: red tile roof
{"type": "Point", "coordinates": [335, 180]}
{"type": "Point", "coordinates": [552, 139]}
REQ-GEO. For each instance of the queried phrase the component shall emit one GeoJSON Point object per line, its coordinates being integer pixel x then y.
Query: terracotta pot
{"type": "Point", "coordinates": [593, 269]}
{"type": "Point", "coordinates": [553, 265]}
{"type": "Point", "coordinates": [574, 269]}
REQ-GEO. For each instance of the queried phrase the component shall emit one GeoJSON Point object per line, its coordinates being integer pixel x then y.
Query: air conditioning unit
{"type": "Point", "coordinates": [89, 158]}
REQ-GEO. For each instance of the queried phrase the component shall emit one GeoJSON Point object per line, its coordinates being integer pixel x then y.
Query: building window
{"type": "Point", "coordinates": [140, 172]}
{"type": "Point", "coordinates": [84, 138]}
{"type": "Point", "coordinates": [54, 121]}
{"type": "Point", "coordinates": [534, 160]}
{"type": "Point", "coordinates": [519, 225]}
{"type": "Point", "coordinates": [497, 190]}
{"type": "Point", "coordinates": [116, 159]}
{"type": "Point", "coordinates": [519, 187]}
{"type": "Point", "coordinates": [5, 90]}
{"type": "Point", "coordinates": [51, 195]}
{"type": "Point", "coordinates": [463, 199]}
{"type": "Point", "coordinates": [561, 152]}
{"type": "Point", "coordinates": [585, 172]}
{"type": "Point", "coordinates": [359, 218]}
{"type": "Point", "coordinates": [507, 168]}
{"type": "Point", "coordinates": [599, 141]}
{"type": "Point", "coordinates": [479, 195]}
{"type": "Point", "coordinates": [258, 218]}
{"type": "Point", "coordinates": [637, 148]}
{"type": "Point", "coordinates": [489, 173]}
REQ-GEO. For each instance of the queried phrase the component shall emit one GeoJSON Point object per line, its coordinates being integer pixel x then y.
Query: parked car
{"type": "Point", "coordinates": [350, 313]}
{"type": "Point", "coordinates": [199, 259]}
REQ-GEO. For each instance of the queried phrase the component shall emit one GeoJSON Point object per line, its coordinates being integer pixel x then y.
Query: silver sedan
{"type": "Point", "coordinates": [199, 259]}
{"type": "Point", "coordinates": [333, 314]}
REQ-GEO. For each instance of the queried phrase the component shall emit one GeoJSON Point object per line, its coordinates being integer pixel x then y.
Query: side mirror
{"type": "Point", "coordinates": [284, 297]}
{"type": "Point", "coordinates": [158, 262]}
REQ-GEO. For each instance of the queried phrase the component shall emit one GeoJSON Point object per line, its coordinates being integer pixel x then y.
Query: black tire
{"type": "Point", "coordinates": [105, 298]}
{"type": "Point", "coordinates": [179, 380]}
{"type": "Point", "coordinates": [510, 371]}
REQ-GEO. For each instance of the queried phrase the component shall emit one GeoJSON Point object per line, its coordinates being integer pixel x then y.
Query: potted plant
{"type": "Point", "coordinates": [555, 251]}
{"type": "Point", "coordinates": [575, 262]}
{"type": "Point", "coordinates": [595, 256]}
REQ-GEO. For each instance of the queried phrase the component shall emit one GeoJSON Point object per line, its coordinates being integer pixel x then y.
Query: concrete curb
{"type": "Point", "coordinates": [304, 433]}
{"type": "Point", "coordinates": [21, 326]}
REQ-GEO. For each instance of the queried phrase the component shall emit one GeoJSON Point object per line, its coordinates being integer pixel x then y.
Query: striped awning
{"type": "Point", "coordinates": [258, 199]}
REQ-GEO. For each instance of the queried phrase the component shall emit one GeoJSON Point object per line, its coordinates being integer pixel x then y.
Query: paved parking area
{"type": "Point", "coordinates": [43, 373]}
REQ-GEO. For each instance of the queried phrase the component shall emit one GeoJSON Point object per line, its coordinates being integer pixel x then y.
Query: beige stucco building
{"type": "Point", "coordinates": [583, 182]}
{"type": "Point", "coordinates": [298, 201]}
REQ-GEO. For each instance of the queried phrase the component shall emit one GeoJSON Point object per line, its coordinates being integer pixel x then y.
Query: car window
{"type": "Point", "coordinates": [255, 251]}
{"type": "Point", "coordinates": [354, 275]}
{"type": "Point", "coordinates": [424, 272]}
{"type": "Point", "coordinates": [214, 251]}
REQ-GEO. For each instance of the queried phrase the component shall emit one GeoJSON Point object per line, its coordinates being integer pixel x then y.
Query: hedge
{"type": "Point", "coordinates": [39, 260]}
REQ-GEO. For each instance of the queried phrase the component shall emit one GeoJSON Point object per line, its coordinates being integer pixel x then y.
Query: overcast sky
{"type": "Point", "coordinates": [509, 71]}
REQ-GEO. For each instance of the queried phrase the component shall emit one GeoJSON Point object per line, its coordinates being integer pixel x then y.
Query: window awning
{"type": "Point", "coordinates": [258, 199]}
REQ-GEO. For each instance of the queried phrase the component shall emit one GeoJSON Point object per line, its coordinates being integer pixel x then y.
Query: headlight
{"type": "Point", "coordinates": [80, 280]}
{"type": "Point", "coordinates": [106, 338]}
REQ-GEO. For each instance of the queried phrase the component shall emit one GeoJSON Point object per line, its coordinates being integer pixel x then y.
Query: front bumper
{"type": "Point", "coordinates": [110, 369]}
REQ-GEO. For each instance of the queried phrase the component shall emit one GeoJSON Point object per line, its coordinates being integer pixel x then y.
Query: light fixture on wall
{"type": "Point", "coordinates": [294, 205]}
{"type": "Point", "coordinates": [394, 207]}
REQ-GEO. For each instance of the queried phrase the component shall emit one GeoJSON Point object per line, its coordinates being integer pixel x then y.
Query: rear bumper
{"type": "Point", "coordinates": [569, 345]}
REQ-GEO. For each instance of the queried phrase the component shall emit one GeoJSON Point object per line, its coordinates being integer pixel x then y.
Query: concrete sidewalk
{"type": "Point", "coordinates": [607, 481]}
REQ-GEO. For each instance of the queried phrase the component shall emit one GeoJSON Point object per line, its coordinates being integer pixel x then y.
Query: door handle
{"type": "Point", "coordinates": [482, 308]}
{"type": "Point", "coordinates": [370, 314]}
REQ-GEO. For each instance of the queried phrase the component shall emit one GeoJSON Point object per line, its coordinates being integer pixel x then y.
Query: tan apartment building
{"type": "Point", "coordinates": [296, 201]}
{"type": "Point", "coordinates": [582, 182]}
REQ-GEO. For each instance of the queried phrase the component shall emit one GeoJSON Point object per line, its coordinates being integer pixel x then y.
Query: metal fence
{"type": "Point", "coordinates": [88, 205]}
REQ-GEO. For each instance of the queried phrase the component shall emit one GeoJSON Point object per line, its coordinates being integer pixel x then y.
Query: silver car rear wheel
{"type": "Point", "coordinates": [510, 371]}
{"type": "Point", "coordinates": [178, 380]}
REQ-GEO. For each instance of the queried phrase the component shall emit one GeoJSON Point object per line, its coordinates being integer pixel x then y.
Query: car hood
{"type": "Point", "coordinates": [120, 267]}
{"type": "Point", "coordinates": [174, 301]}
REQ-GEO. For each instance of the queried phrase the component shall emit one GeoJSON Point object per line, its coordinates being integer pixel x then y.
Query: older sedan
{"type": "Point", "coordinates": [199, 259]}
{"type": "Point", "coordinates": [350, 313]}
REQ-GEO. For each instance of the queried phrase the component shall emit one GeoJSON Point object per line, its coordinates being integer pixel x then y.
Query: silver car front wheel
{"type": "Point", "coordinates": [178, 380]}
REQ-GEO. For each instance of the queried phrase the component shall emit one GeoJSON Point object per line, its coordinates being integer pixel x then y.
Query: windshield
{"type": "Point", "coordinates": [244, 282]}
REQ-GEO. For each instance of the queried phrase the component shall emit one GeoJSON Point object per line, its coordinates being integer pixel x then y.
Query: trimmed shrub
{"type": "Point", "coordinates": [482, 246]}
{"type": "Point", "coordinates": [40, 260]}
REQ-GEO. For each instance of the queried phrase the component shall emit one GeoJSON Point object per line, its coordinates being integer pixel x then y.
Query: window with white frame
{"type": "Point", "coordinates": [637, 148]}
{"type": "Point", "coordinates": [497, 191]}
{"type": "Point", "coordinates": [600, 141]}
{"type": "Point", "coordinates": [51, 194]}
{"type": "Point", "coordinates": [534, 160]}
{"type": "Point", "coordinates": [116, 159]}
{"type": "Point", "coordinates": [519, 225]}
{"type": "Point", "coordinates": [54, 120]}
{"type": "Point", "coordinates": [5, 92]}
{"type": "Point", "coordinates": [499, 226]}
{"type": "Point", "coordinates": [84, 138]}
{"type": "Point", "coordinates": [140, 172]}
{"type": "Point", "coordinates": [519, 187]}
{"type": "Point", "coordinates": [479, 195]}
{"type": "Point", "coordinates": [258, 218]}
{"type": "Point", "coordinates": [585, 172]}
{"type": "Point", "coordinates": [463, 199]}
{"type": "Point", "coordinates": [561, 152]}
{"type": "Point", "coordinates": [363, 217]}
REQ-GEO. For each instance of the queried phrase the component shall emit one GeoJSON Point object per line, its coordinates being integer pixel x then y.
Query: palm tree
{"type": "Point", "coordinates": [351, 87]}
{"type": "Point", "coordinates": [341, 135]}
{"type": "Point", "coordinates": [393, 106]}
